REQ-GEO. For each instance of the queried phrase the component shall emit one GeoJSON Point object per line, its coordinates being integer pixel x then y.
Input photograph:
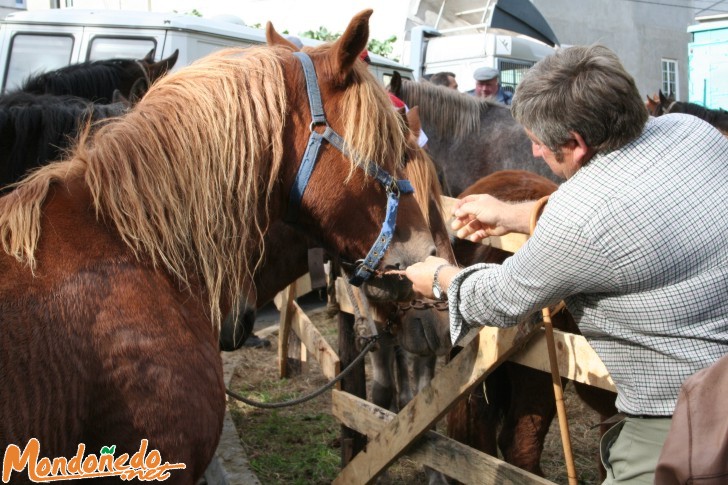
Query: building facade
{"type": "Point", "coordinates": [651, 37]}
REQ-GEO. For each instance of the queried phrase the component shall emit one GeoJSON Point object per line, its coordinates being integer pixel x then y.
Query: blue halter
{"type": "Point", "coordinates": [364, 268]}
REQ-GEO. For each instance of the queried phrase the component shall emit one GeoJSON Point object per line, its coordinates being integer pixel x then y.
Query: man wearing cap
{"type": "Point", "coordinates": [487, 85]}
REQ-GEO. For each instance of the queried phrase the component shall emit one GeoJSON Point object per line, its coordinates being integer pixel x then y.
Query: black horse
{"type": "Point", "coordinates": [667, 104]}
{"type": "Point", "coordinates": [97, 80]}
{"type": "Point", "coordinates": [42, 118]}
{"type": "Point", "coordinates": [37, 129]}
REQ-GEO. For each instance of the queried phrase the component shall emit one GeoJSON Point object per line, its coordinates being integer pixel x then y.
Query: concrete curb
{"type": "Point", "coordinates": [230, 464]}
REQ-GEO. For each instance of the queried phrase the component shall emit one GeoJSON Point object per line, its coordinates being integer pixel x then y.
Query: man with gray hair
{"type": "Point", "coordinates": [487, 85]}
{"type": "Point", "coordinates": [632, 242]}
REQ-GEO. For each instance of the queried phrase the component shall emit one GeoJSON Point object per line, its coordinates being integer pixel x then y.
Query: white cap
{"type": "Point", "coordinates": [485, 73]}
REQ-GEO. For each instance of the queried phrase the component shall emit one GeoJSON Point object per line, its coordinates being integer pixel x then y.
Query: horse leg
{"type": "Point", "coordinates": [401, 371]}
{"type": "Point", "coordinates": [383, 386]}
{"type": "Point", "coordinates": [528, 417]}
{"type": "Point", "coordinates": [474, 419]}
{"type": "Point", "coordinates": [423, 370]}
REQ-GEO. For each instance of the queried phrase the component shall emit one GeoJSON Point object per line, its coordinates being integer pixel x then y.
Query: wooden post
{"type": "Point", "coordinates": [354, 383]}
{"type": "Point", "coordinates": [289, 350]}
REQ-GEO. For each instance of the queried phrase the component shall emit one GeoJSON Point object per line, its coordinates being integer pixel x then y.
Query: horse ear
{"type": "Point", "coordinates": [414, 122]}
{"type": "Point", "coordinates": [395, 84]}
{"type": "Point", "coordinates": [272, 37]}
{"type": "Point", "coordinates": [149, 58]}
{"type": "Point", "coordinates": [663, 98]}
{"type": "Point", "coordinates": [159, 69]}
{"type": "Point", "coordinates": [117, 97]}
{"type": "Point", "coordinates": [353, 41]}
{"type": "Point", "coordinates": [138, 90]}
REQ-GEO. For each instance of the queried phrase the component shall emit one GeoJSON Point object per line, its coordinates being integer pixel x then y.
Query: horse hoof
{"type": "Point", "coordinates": [256, 342]}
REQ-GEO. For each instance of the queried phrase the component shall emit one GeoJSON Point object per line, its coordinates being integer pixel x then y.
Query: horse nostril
{"type": "Point", "coordinates": [433, 251]}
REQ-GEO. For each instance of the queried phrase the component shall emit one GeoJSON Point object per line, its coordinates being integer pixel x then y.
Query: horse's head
{"type": "Point", "coordinates": [659, 104]}
{"type": "Point", "coordinates": [347, 191]}
{"type": "Point", "coordinates": [155, 70]}
{"type": "Point", "coordinates": [652, 103]}
{"type": "Point", "coordinates": [424, 326]}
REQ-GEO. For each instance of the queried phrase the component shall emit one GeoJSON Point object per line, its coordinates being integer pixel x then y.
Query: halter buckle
{"type": "Point", "coordinates": [312, 126]}
{"type": "Point", "coordinates": [392, 188]}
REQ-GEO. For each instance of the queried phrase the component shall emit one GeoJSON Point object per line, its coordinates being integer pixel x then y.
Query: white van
{"type": "Point", "coordinates": [43, 40]}
{"type": "Point", "coordinates": [463, 50]}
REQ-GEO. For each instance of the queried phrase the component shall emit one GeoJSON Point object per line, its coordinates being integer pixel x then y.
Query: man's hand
{"type": "Point", "coordinates": [479, 216]}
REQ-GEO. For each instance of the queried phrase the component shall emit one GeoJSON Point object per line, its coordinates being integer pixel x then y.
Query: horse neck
{"type": "Point", "coordinates": [93, 81]}
{"type": "Point", "coordinates": [445, 113]}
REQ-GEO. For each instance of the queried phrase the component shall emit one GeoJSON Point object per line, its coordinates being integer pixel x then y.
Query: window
{"type": "Point", "coordinates": [120, 47]}
{"type": "Point", "coordinates": [669, 78]}
{"type": "Point", "coordinates": [32, 54]}
{"type": "Point", "coordinates": [511, 73]}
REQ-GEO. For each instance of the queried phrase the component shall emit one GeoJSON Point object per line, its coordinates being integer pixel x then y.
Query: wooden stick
{"type": "Point", "coordinates": [555, 375]}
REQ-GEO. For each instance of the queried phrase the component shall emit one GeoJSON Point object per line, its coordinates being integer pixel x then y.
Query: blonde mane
{"type": "Point", "coordinates": [373, 131]}
{"type": "Point", "coordinates": [185, 177]}
{"type": "Point", "coordinates": [458, 114]}
{"type": "Point", "coordinates": [422, 175]}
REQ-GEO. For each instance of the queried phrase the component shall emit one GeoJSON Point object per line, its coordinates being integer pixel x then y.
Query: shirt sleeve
{"type": "Point", "coordinates": [556, 262]}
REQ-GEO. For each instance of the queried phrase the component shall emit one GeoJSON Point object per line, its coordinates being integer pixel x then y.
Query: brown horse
{"type": "Point", "coordinates": [519, 397]}
{"type": "Point", "coordinates": [411, 335]}
{"type": "Point", "coordinates": [421, 330]}
{"type": "Point", "coordinates": [119, 261]}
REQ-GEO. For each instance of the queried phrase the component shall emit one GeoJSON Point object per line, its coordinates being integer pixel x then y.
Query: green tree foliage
{"type": "Point", "coordinates": [322, 34]}
{"type": "Point", "coordinates": [383, 47]}
{"type": "Point", "coordinates": [380, 47]}
{"type": "Point", "coordinates": [194, 12]}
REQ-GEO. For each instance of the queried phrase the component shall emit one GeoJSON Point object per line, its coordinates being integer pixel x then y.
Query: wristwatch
{"type": "Point", "coordinates": [436, 288]}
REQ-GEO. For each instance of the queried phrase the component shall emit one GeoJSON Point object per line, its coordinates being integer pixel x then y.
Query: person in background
{"type": "Point", "coordinates": [396, 102]}
{"type": "Point", "coordinates": [487, 85]}
{"type": "Point", "coordinates": [631, 242]}
{"type": "Point", "coordinates": [444, 78]}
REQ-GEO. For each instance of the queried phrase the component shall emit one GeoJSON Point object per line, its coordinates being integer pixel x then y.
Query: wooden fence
{"type": "Point", "coordinates": [390, 436]}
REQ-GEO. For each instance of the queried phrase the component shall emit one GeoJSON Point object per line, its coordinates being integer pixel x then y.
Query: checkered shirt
{"type": "Point", "coordinates": [636, 243]}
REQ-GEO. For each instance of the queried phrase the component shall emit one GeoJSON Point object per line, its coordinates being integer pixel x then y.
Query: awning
{"type": "Point", "coordinates": [522, 17]}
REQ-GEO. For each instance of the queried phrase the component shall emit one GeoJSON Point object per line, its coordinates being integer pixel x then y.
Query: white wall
{"type": "Point", "coordinates": [641, 34]}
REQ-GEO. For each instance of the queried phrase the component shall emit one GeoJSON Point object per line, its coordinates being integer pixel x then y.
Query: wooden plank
{"type": "Point", "coordinates": [303, 287]}
{"type": "Point", "coordinates": [577, 359]}
{"type": "Point", "coordinates": [492, 347]}
{"type": "Point", "coordinates": [314, 342]}
{"type": "Point", "coordinates": [445, 455]}
{"type": "Point", "coordinates": [510, 242]}
{"type": "Point", "coordinates": [287, 309]}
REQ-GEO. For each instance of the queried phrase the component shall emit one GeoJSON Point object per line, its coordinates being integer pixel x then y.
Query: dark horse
{"type": "Point", "coordinates": [97, 80]}
{"type": "Point", "coordinates": [119, 261]}
{"type": "Point", "coordinates": [661, 104]}
{"type": "Point", "coordinates": [37, 129]}
{"type": "Point", "coordinates": [468, 137]}
{"type": "Point", "coordinates": [519, 398]}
